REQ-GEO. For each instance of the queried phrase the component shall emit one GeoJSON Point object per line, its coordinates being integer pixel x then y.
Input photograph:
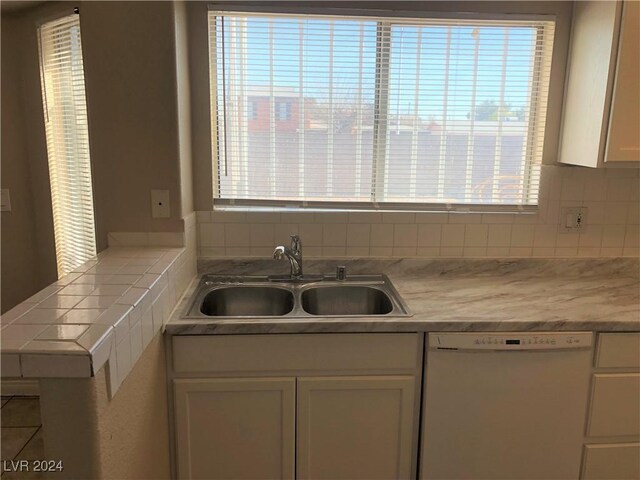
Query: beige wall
{"type": "Point", "coordinates": [198, 44]}
{"type": "Point", "coordinates": [129, 60]}
{"type": "Point", "coordinates": [28, 252]}
{"type": "Point", "coordinates": [18, 247]}
{"type": "Point", "coordinates": [123, 438]}
{"type": "Point", "coordinates": [137, 88]}
{"type": "Point", "coordinates": [184, 106]}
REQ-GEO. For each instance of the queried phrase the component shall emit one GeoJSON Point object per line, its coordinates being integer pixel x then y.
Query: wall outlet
{"type": "Point", "coordinates": [160, 206]}
{"type": "Point", "coordinates": [573, 219]}
{"type": "Point", "coordinates": [5, 200]}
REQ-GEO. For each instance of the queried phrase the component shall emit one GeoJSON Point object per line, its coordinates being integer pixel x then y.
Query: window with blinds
{"type": "Point", "coordinates": [433, 113]}
{"type": "Point", "coordinates": [65, 115]}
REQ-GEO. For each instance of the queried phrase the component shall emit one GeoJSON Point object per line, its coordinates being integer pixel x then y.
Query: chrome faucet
{"type": "Point", "coordinates": [293, 254]}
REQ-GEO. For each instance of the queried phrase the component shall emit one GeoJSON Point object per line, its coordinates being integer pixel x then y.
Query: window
{"type": "Point", "coordinates": [283, 111]}
{"type": "Point", "coordinates": [438, 113]}
{"type": "Point", "coordinates": [65, 115]}
{"type": "Point", "coordinates": [252, 110]}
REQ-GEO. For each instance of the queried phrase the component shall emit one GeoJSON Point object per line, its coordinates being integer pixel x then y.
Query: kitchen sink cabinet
{"type": "Point", "coordinates": [304, 406]}
{"type": "Point", "coordinates": [355, 427]}
{"type": "Point", "coordinates": [215, 416]}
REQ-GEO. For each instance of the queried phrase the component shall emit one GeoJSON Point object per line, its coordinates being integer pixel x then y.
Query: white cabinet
{"type": "Point", "coordinates": [601, 113]}
{"type": "Point", "coordinates": [623, 140]}
{"type": "Point", "coordinates": [615, 405]}
{"type": "Point", "coordinates": [355, 427]}
{"type": "Point", "coordinates": [235, 428]}
{"type": "Point", "coordinates": [618, 350]}
{"type": "Point", "coordinates": [611, 462]}
{"type": "Point", "coordinates": [612, 443]}
{"type": "Point", "coordinates": [305, 406]}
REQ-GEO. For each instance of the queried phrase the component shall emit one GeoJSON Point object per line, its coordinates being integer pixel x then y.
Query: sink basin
{"type": "Point", "coordinates": [316, 296]}
{"type": "Point", "coordinates": [346, 300]}
{"type": "Point", "coordinates": [247, 301]}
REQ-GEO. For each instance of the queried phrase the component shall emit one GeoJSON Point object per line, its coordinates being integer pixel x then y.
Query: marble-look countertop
{"type": "Point", "coordinates": [456, 295]}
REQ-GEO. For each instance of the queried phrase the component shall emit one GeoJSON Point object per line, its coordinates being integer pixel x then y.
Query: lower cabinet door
{"type": "Point", "coordinates": [355, 427]}
{"type": "Point", "coordinates": [616, 461]}
{"type": "Point", "coordinates": [235, 428]}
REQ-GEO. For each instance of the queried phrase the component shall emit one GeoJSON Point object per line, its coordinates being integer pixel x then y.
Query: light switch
{"type": "Point", "coordinates": [5, 200]}
{"type": "Point", "coordinates": [160, 207]}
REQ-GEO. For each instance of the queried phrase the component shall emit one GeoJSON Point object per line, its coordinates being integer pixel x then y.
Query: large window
{"type": "Point", "coordinates": [431, 112]}
{"type": "Point", "coordinates": [65, 115]}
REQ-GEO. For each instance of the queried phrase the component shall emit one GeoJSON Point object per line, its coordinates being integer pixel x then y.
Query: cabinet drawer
{"type": "Point", "coordinates": [611, 462]}
{"type": "Point", "coordinates": [618, 350]}
{"type": "Point", "coordinates": [306, 353]}
{"type": "Point", "coordinates": [614, 405]}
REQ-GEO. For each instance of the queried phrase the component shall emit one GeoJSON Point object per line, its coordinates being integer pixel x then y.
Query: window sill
{"type": "Point", "coordinates": [259, 206]}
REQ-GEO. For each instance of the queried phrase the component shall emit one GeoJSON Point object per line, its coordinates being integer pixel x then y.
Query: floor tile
{"type": "Point", "coordinates": [13, 439]}
{"type": "Point", "coordinates": [29, 475]}
{"type": "Point", "coordinates": [34, 450]}
{"type": "Point", "coordinates": [21, 412]}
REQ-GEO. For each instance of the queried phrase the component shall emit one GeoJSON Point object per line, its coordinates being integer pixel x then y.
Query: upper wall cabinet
{"type": "Point", "coordinates": [601, 118]}
{"type": "Point", "coordinates": [623, 140]}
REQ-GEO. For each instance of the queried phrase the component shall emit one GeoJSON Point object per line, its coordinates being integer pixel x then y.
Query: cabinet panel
{"type": "Point", "coordinates": [235, 428]}
{"type": "Point", "coordinates": [614, 405]}
{"type": "Point", "coordinates": [623, 141]}
{"type": "Point", "coordinates": [618, 350]}
{"type": "Point", "coordinates": [393, 353]}
{"type": "Point", "coordinates": [586, 103]}
{"type": "Point", "coordinates": [611, 462]}
{"type": "Point", "coordinates": [355, 427]}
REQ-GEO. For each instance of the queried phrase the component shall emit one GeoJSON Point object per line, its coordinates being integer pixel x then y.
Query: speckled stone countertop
{"type": "Point", "coordinates": [457, 295]}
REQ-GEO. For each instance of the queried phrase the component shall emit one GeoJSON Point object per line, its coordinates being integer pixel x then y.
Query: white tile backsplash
{"type": "Point", "coordinates": [611, 197]}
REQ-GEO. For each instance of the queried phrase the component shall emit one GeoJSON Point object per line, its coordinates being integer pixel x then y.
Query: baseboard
{"type": "Point", "coordinates": [19, 387]}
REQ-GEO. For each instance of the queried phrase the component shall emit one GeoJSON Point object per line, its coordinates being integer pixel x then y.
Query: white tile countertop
{"type": "Point", "coordinates": [105, 312]}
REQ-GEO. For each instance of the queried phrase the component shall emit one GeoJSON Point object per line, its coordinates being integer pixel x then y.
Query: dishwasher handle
{"type": "Point", "coordinates": [508, 341]}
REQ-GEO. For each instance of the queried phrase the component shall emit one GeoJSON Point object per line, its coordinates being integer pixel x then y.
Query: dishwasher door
{"type": "Point", "coordinates": [505, 406]}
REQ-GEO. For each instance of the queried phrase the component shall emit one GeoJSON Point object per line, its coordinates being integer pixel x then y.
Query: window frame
{"type": "Point", "coordinates": [388, 18]}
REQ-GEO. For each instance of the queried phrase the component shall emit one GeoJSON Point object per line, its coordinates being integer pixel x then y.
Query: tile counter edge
{"type": "Point", "coordinates": [103, 314]}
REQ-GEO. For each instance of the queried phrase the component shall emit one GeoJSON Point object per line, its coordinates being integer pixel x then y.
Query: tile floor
{"type": "Point", "coordinates": [21, 438]}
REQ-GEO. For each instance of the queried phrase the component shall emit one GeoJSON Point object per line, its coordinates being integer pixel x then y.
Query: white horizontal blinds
{"type": "Point", "coordinates": [425, 111]}
{"type": "Point", "coordinates": [65, 111]}
{"type": "Point", "coordinates": [467, 103]}
{"type": "Point", "coordinates": [294, 106]}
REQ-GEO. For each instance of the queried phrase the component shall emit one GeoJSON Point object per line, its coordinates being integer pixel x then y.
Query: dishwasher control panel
{"type": "Point", "coordinates": [510, 341]}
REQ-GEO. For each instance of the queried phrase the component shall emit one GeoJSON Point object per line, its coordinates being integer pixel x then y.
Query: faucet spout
{"type": "Point", "coordinates": [293, 254]}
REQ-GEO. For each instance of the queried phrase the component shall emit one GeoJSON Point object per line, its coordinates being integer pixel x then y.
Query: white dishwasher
{"type": "Point", "coordinates": [505, 405]}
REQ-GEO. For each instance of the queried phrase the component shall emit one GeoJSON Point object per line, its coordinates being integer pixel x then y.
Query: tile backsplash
{"type": "Point", "coordinates": [611, 197]}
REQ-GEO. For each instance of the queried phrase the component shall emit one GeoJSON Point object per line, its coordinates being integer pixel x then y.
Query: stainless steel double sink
{"type": "Point", "coordinates": [315, 296]}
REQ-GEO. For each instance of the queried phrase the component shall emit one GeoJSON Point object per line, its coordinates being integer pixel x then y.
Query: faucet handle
{"type": "Point", "coordinates": [296, 243]}
{"type": "Point", "coordinates": [278, 253]}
